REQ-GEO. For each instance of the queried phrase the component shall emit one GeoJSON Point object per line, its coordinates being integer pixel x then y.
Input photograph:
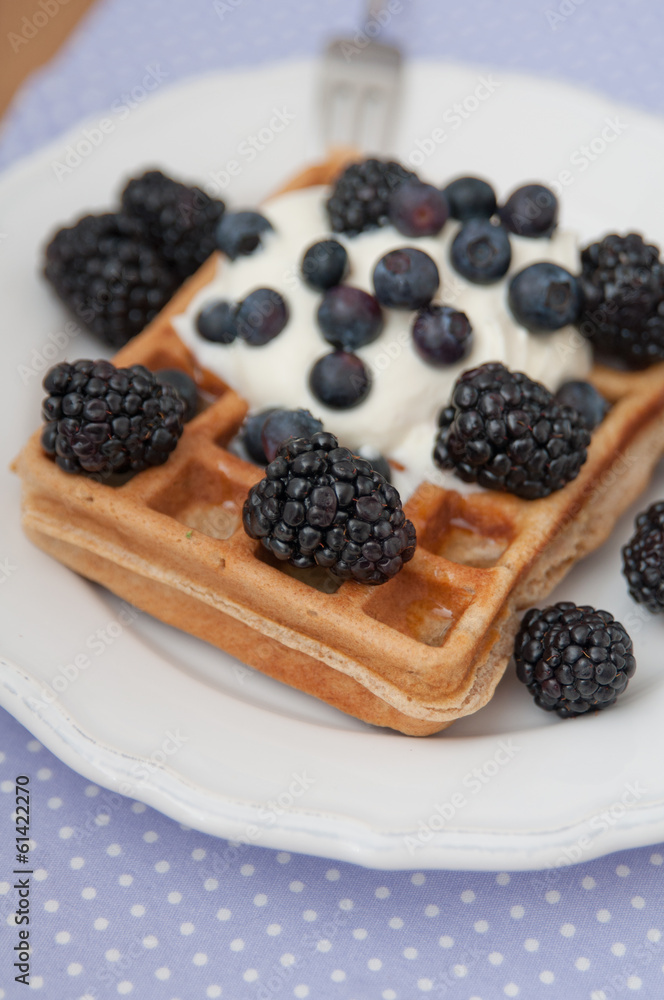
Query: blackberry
{"type": "Point", "coordinates": [320, 505]}
{"type": "Point", "coordinates": [506, 432]}
{"type": "Point", "coordinates": [179, 221]}
{"type": "Point", "coordinates": [573, 659]}
{"type": "Point", "coordinates": [360, 197]}
{"type": "Point", "coordinates": [643, 559]}
{"type": "Point", "coordinates": [622, 282]}
{"type": "Point", "coordinates": [109, 276]}
{"type": "Point", "coordinates": [102, 419]}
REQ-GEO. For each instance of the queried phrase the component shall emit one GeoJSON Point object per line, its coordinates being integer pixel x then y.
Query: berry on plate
{"type": "Point", "coordinates": [643, 559]}
{"type": "Point", "coordinates": [544, 297]}
{"type": "Point", "coordinates": [349, 317]}
{"type": "Point", "coordinates": [585, 398]}
{"type": "Point", "coordinates": [405, 279]}
{"type": "Point", "coordinates": [531, 210]}
{"type": "Point", "coordinates": [470, 198]}
{"type": "Point", "coordinates": [441, 335]}
{"type": "Point", "coordinates": [481, 252]}
{"type": "Point", "coordinates": [261, 316]}
{"type": "Point", "coordinates": [240, 233]}
{"type": "Point", "coordinates": [340, 380]}
{"type": "Point", "coordinates": [417, 209]}
{"type": "Point", "coordinates": [324, 265]}
{"type": "Point", "coordinates": [361, 195]}
{"type": "Point", "coordinates": [216, 322]}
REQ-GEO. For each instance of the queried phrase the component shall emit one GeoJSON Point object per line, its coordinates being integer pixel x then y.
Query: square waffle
{"type": "Point", "coordinates": [414, 654]}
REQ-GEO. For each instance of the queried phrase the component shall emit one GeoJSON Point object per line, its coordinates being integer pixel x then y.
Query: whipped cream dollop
{"type": "Point", "coordinates": [399, 415]}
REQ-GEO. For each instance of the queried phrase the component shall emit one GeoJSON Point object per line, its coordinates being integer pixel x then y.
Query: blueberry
{"type": "Point", "coordinates": [531, 210]}
{"type": "Point", "coordinates": [250, 435]}
{"type": "Point", "coordinates": [544, 297]}
{"type": "Point", "coordinates": [349, 317]}
{"type": "Point", "coordinates": [281, 425]}
{"type": "Point", "coordinates": [586, 400]}
{"type": "Point", "coordinates": [481, 252]}
{"type": "Point", "coordinates": [418, 209]}
{"type": "Point", "coordinates": [340, 380]}
{"type": "Point", "coordinates": [405, 279]}
{"type": "Point", "coordinates": [377, 461]}
{"type": "Point", "coordinates": [216, 322]}
{"type": "Point", "coordinates": [441, 335]}
{"type": "Point", "coordinates": [185, 386]}
{"type": "Point", "coordinates": [324, 265]}
{"type": "Point", "coordinates": [470, 198]}
{"type": "Point", "coordinates": [239, 233]}
{"type": "Point", "coordinates": [261, 316]}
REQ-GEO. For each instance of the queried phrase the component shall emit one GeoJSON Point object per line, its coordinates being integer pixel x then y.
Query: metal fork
{"type": "Point", "coordinates": [360, 87]}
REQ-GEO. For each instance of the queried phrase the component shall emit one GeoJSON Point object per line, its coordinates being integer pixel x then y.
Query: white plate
{"type": "Point", "coordinates": [569, 791]}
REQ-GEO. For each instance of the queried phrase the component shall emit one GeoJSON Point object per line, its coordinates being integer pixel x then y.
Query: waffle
{"type": "Point", "coordinates": [414, 654]}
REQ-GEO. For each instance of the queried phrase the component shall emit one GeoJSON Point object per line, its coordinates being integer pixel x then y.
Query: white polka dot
{"type": "Point", "coordinates": [54, 803]}
{"type": "Point", "coordinates": [150, 941]}
{"type": "Point", "coordinates": [89, 892]}
{"type": "Point", "coordinates": [161, 867]}
{"type": "Point", "coordinates": [598, 995]}
{"type": "Point", "coordinates": [467, 896]}
{"type": "Point", "coordinates": [174, 897]}
{"type": "Point", "coordinates": [114, 850]}
{"type": "Point", "coordinates": [445, 941]}
{"type": "Point", "coordinates": [622, 871]}
{"type": "Point", "coordinates": [213, 991]}
{"type": "Point", "coordinates": [552, 896]}
{"type": "Point", "coordinates": [634, 983]}
{"type": "Point", "coordinates": [163, 973]}
{"type": "Point", "coordinates": [150, 836]}
{"type": "Point", "coordinates": [41, 874]}
{"type": "Point", "coordinates": [389, 995]}
{"type": "Point", "coordinates": [481, 926]}
{"type": "Point", "coordinates": [250, 975]}
{"type": "Point", "coordinates": [296, 886]}
{"type": "Point", "coordinates": [7, 786]}
{"type": "Point", "coordinates": [103, 819]}
{"type": "Point", "coordinates": [287, 960]}
{"type": "Point", "coordinates": [137, 910]}
{"type": "Point", "coordinates": [396, 923]}
{"type": "Point", "coordinates": [589, 882]}
{"type": "Point", "coordinates": [346, 904]}
{"type": "Point", "coordinates": [418, 878]}
{"type": "Point", "coordinates": [237, 944]}
{"type": "Point", "coordinates": [74, 968]}
{"type": "Point", "coordinates": [531, 944]}
{"type": "Point", "coordinates": [187, 928]}
{"type": "Point", "coordinates": [125, 987]}
{"type": "Point", "coordinates": [36, 982]}
{"type": "Point", "coordinates": [410, 953]}
{"type": "Point", "coordinates": [425, 985]}
{"type": "Point", "coordinates": [431, 910]}
{"type": "Point", "coordinates": [260, 899]}
{"type": "Point", "coordinates": [618, 949]}
{"type": "Point", "coordinates": [502, 878]}
{"type": "Point", "coordinates": [65, 832]}
{"type": "Point", "coordinates": [112, 955]}
{"type": "Point", "coordinates": [100, 924]}
{"type": "Point", "coordinates": [76, 863]}
{"type": "Point", "coordinates": [51, 905]}
{"type": "Point", "coordinates": [582, 964]}
{"type": "Point", "coordinates": [638, 902]}
{"type": "Point", "coordinates": [517, 912]}
{"type": "Point", "coordinates": [511, 990]}
{"type": "Point", "coordinates": [656, 859]}
{"type": "Point", "coordinates": [496, 958]}
{"type": "Point", "coordinates": [200, 958]}
{"type": "Point", "coordinates": [309, 915]}
{"type": "Point", "coordinates": [654, 935]}
{"type": "Point", "coordinates": [374, 964]}
{"type": "Point", "coordinates": [33, 746]}
{"type": "Point", "coordinates": [283, 857]}
{"type": "Point", "coordinates": [4, 888]}
{"type": "Point", "coordinates": [568, 930]}
{"type": "Point", "coordinates": [460, 971]}
{"type": "Point", "coordinates": [301, 991]}
{"type": "Point", "coordinates": [126, 879]}
{"type": "Point", "coordinates": [603, 916]}
{"type": "Point", "coordinates": [63, 937]}
{"type": "Point", "coordinates": [138, 807]}
{"type": "Point", "coordinates": [247, 870]}
{"type": "Point", "coordinates": [338, 976]}
{"type": "Point", "coordinates": [91, 791]}
{"type": "Point", "coordinates": [44, 773]}
{"type": "Point", "coordinates": [332, 875]}
{"type": "Point", "coordinates": [382, 892]}
{"type": "Point", "coordinates": [359, 933]}
{"type": "Point", "coordinates": [198, 853]}
{"type": "Point", "coordinates": [273, 929]}
{"type": "Point", "coordinates": [223, 914]}
{"type": "Point", "coordinates": [547, 977]}
{"type": "Point", "coordinates": [323, 945]}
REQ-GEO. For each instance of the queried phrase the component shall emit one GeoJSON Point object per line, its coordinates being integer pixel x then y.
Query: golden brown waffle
{"type": "Point", "coordinates": [414, 654]}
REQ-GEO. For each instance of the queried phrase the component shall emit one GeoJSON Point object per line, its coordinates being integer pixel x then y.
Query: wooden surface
{"type": "Point", "coordinates": [31, 32]}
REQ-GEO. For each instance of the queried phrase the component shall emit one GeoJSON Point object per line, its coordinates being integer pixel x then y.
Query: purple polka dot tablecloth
{"type": "Point", "coordinates": [126, 902]}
